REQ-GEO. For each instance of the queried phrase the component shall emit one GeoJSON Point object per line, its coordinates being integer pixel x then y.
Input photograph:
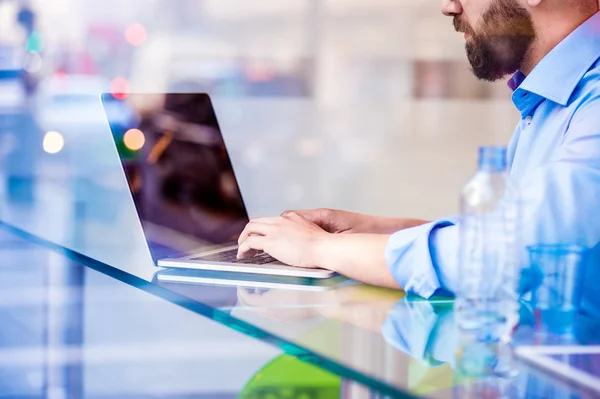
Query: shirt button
{"type": "Point", "coordinates": [528, 120]}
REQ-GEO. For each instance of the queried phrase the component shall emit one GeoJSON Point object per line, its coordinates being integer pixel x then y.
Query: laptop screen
{"type": "Point", "coordinates": [178, 170]}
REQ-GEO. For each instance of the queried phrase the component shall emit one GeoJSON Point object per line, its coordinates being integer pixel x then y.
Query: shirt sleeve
{"type": "Point", "coordinates": [559, 205]}
{"type": "Point", "coordinates": [413, 256]}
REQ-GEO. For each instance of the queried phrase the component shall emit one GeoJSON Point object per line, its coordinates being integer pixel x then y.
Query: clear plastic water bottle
{"type": "Point", "coordinates": [488, 264]}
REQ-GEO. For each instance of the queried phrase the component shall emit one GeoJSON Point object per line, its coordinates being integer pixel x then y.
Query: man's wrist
{"type": "Point", "coordinates": [368, 224]}
{"type": "Point", "coordinates": [323, 249]}
{"type": "Point", "coordinates": [391, 225]}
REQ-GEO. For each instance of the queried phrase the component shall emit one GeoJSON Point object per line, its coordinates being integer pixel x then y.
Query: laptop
{"type": "Point", "coordinates": [183, 185]}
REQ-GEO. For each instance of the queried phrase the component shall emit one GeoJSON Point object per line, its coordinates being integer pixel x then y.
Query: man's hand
{"type": "Point", "coordinates": [291, 239]}
{"type": "Point", "coordinates": [336, 222]}
{"type": "Point", "coordinates": [295, 241]}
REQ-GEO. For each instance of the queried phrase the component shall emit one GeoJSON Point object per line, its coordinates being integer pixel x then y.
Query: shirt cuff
{"type": "Point", "coordinates": [408, 256]}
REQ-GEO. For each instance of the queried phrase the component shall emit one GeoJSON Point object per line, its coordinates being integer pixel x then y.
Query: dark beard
{"type": "Point", "coordinates": [493, 58]}
{"type": "Point", "coordinates": [503, 41]}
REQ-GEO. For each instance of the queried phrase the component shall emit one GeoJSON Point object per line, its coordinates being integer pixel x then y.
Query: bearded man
{"type": "Point", "coordinates": [551, 48]}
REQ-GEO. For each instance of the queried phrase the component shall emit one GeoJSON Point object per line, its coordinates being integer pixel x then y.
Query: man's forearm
{"type": "Point", "coordinates": [383, 225]}
{"type": "Point", "coordinates": [357, 256]}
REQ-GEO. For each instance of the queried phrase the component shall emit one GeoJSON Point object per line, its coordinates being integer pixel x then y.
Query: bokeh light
{"type": "Point", "coordinates": [134, 139]}
{"type": "Point", "coordinates": [32, 62]}
{"type": "Point", "coordinates": [136, 34]}
{"type": "Point", "coordinates": [60, 82]}
{"type": "Point", "coordinates": [258, 71]}
{"type": "Point", "coordinates": [119, 88]}
{"type": "Point", "coordinates": [310, 148]}
{"type": "Point", "coordinates": [35, 42]}
{"type": "Point", "coordinates": [53, 142]}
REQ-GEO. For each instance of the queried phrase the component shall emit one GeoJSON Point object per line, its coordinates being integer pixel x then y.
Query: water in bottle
{"type": "Point", "coordinates": [488, 264]}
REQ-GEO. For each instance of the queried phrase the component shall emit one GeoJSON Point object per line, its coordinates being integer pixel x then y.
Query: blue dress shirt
{"type": "Point", "coordinates": [553, 158]}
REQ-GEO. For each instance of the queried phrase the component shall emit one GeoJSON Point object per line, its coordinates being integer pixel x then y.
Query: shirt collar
{"type": "Point", "coordinates": [558, 73]}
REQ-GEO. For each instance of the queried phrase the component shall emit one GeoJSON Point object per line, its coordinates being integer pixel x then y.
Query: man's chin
{"type": "Point", "coordinates": [495, 60]}
{"type": "Point", "coordinates": [491, 75]}
{"type": "Point", "coordinates": [490, 70]}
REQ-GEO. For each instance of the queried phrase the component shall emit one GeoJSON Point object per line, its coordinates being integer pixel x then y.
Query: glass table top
{"type": "Point", "coordinates": [68, 331]}
{"type": "Point", "coordinates": [78, 206]}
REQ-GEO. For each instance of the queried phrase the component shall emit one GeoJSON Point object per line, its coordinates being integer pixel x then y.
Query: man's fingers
{"type": "Point", "coordinates": [250, 246]}
{"type": "Point", "coordinates": [271, 220]}
{"type": "Point", "coordinates": [311, 216]}
{"type": "Point", "coordinates": [319, 217]}
{"type": "Point", "coordinates": [256, 226]}
{"type": "Point", "coordinates": [244, 297]}
{"type": "Point", "coordinates": [300, 219]}
{"type": "Point", "coordinates": [295, 216]}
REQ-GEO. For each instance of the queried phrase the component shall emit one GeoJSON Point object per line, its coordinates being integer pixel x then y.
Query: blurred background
{"type": "Point", "coordinates": [367, 105]}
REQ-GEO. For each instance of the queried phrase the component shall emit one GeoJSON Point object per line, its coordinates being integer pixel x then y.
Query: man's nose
{"type": "Point", "coordinates": [451, 7]}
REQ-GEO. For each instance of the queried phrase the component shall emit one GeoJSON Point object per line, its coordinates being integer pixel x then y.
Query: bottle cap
{"type": "Point", "coordinates": [492, 158]}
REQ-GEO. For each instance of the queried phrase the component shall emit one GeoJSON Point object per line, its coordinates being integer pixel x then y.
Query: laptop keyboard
{"type": "Point", "coordinates": [231, 257]}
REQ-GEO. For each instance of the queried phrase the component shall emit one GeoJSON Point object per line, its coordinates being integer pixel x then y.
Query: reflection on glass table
{"type": "Point", "coordinates": [577, 365]}
{"type": "Point", "coordinates": [71, 332]}
{"type": "Point", "coordinates": [441, 363]}
{"type": "Point", "coordinates": [475, 368]}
